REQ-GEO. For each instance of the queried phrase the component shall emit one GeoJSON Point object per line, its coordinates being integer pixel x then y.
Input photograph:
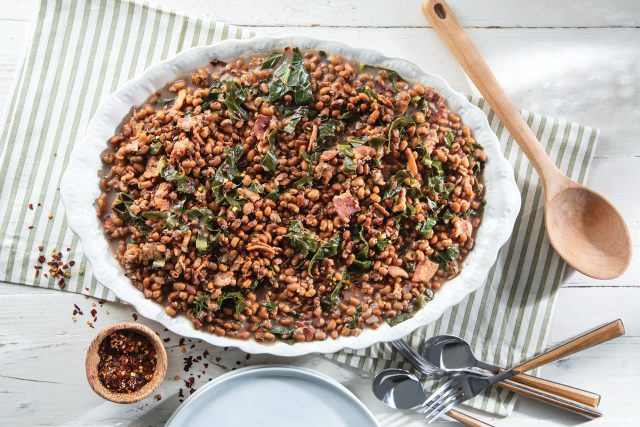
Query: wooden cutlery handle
{"type": "Point", "coordinates": [567, 404]}
{"type": "Point", "coordinates": [467, 420]}
{"type": "Point", "coordinates": [597, 336]}
{"type": "Point", "coordinates": [581, 396]}
{"type": "Point", "coordinates": [465, 52]}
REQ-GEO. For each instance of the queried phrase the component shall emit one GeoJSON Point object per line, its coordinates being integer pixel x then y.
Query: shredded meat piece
{"type": "Point", "coordinates": [424, 271]}
{"type": "Point", "coordinates": [248, 194]}
{"type": "Point", "coordinates": [221, 280]}
{"type": "Point", "coordinates": [395, 271]}
{"type": "Point", "coordinates": [363, 152]}
{"type": "Point", "coordinates": [328, 155]}
{"type": "Point", "coordinates": [345, 205]}
{"type": "Point", "coordinates": [260, 126]}
{"type": "Point", "coordinates": [324, 171]}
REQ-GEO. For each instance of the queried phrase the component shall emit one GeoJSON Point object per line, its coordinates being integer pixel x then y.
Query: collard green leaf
{"type": "Point", "coordinates": [271, 305]}
{"type": "Point", "coordinates": [181, 183]}
{"type": "Point", "coordinates": [156, 146]}
{"type": "Point", "coordinates": [334, 298]}
{"type": "Point", "coordinates": [236, 298]}
{"type": "Point", "coordinates": [327, 250]}
{"type": "Point", "coordinates": [399, 124]}
{"type": "Point", "coordinates": [234, 97]}
{"type": "Point", "coordinates": [122, 205]}
{"type": "Point", "coordinates": [281, 330]}
{"type": "Point", "coordinates": [308, 177]}
{"type": "Point", "coordinates": [271, 60]}
{"type": "Point", "coordinates": [201, 303]}
{"type": "Point", "coordinates": [295, 118]}
{"type": "Point", "coordinates": [450, 253]}
{"type": "Point", "coordinates": [402, 317]}
{"type": "Point", "coordinates": [301, 239]}
{"type": "Point", "coordinates": [162, 101]}
{"type": "Point", "coordinates": [368, 91]}
{"type": "Point", "coordinates": [227, 171]}
{"type": "Point", "coordinates": [425, 227]}
{"type": "Point", "coordinates": [449, 137]}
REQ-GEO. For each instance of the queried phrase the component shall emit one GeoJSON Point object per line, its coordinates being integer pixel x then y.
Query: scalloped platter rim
{"type": "Point", "coordinates": [80, 190]}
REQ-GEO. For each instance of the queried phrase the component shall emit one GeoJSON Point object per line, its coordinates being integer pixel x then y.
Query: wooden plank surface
{"type": "Point", "coordinates": [574, 59]}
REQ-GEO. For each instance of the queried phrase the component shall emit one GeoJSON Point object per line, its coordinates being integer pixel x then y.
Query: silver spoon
{"type": "Point", "coordinates": [453, 354]}
{"type": "Point", "coordinates": [400, 389]}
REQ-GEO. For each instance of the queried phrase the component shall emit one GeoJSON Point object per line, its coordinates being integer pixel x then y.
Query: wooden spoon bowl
{"type": "Point", "coordinates": [588, 232]}
{"type": "Point", "coordinates": [93, 359]}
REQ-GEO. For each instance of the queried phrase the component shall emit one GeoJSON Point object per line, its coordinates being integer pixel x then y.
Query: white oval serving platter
{"type": "Point", "coordinates": [80, 191]}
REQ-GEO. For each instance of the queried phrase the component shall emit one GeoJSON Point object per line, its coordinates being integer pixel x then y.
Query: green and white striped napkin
{"type": "Point", "coordinates": [80, 51]}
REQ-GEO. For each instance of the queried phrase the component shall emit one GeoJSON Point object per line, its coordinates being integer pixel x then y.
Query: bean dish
{"type": "Point", "coordinates": [292, 196]}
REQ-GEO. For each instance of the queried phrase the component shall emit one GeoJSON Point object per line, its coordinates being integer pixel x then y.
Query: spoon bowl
{"type": "Point", "coordinates": [452, 354]}
{"type": "Point", "coordinates": [588, 232]}
{"type": "Point", "coordinates": [398, 389]}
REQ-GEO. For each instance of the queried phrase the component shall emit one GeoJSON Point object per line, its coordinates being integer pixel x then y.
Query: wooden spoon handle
{"type": "Point", "coordinates": [597, 336]}
{"type": "Point", "coordinates": [454, 36]}
{"type": "Point", "coordinates": [467, 420]}
{"type": "Point", "coordinates": [560, 402]}
{"type": "Point", "coordinates": [581, 396]}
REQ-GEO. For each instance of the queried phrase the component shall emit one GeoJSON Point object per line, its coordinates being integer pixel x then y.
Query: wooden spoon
{"type": "Point", "coordinates": [582, 225]}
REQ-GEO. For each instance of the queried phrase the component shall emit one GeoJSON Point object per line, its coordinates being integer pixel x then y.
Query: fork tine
{"type": "Point", "coordinates": [442, 389]}
{"type": "Point", "coordinates": [454, 391]}
{"type": "Point", "coordinates": [437, 414]}
{"type": "Point", "coordinates": [434, 411]}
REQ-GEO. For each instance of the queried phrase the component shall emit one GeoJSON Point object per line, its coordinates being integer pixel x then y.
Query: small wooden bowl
{"type": "Point", "coordinates": [93, 359]}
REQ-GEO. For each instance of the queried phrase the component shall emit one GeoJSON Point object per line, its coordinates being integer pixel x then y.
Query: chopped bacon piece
{"type": "Point", "coordinates": [425, 270]}
{"type": "Point", "coordinates": [328, 155]}
{"type": "Point", "coordinates": [221, 280]}
{"type": "Point", "coordinates": [345, 205]}
{"type": "Point", "coordinates": [260, 126]}
{"type": "Point", "coordinates": [248, 194]}
{"type": "Point", "coordinates": [395, 271]}
{"type": "Point", "coordinates": [363, 152]}
{"type": "Point", "coordinates": [411, 163]}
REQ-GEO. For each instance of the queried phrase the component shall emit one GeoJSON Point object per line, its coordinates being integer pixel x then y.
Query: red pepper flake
{"type": "Point", "coordinates": [247, 356]}
{"type": "Point", "coordinates": [41, 259]}
{"type": "Point", "coordinates": [135, 316]}
{"type": "Point", "coordinates": [188, 362]}
{"type": "Point", "coordinates": [206, 365]}
{"type": "Point", "coordinates": [158, 397]}
{"type": "Point", "coordinates": [31, 206]}
{"type": "Point", "coordinates": [94, 312]}
{"type": "Point", "coordinates": [78, 309]}
{"type": "Point", "coordinates": [218, 359]}
{"type": "Point", "coordinates": [30, 227]}
{"type": "Point", "coordinates": [181, 342]}
{"type": "Point", "coordinates": [206, 353]}
{"type": "Point", "coordinates": [167, 339]}
{"type": "Point", "coordinates": [127, 361]}
{"type": "Point", "coordinates": [180, 393]}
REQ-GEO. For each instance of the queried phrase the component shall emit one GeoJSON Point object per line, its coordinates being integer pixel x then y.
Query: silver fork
{"type": "Point", "coordinates": [417, 361]}
{"type": "Point", "coordinates": [458, 389]}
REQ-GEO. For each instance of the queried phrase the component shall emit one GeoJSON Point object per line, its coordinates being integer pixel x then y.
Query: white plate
{"type": "Point", "coordinates": [272, 396]}
{"type": "Point", "coordinates": [80, 189]}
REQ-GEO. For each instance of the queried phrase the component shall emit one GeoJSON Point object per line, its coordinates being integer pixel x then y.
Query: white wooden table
{"type": "Point", "coordinates": [574, 59]}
